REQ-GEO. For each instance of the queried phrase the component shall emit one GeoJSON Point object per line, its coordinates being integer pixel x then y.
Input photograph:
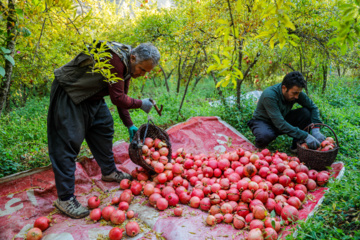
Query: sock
{"type": "Point", "coordinates": [66, 197]}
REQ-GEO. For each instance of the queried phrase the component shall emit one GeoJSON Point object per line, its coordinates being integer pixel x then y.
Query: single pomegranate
{"type": "Point", "coordinates": [300, 194]}
{"type": "Point", "coordinates": [247, 196]}
{"type": "Point", "coordinates": [239, 222]}
{"type": "Point", "coordinates": [194, 202]}
{"type": "Point", "coordinates": [290, 213]}
{"type": "Point", "coordinates": [270, 204]}
{"type": "Point", "coordinates": [242, 210]}
{"type": "Point", "coordinates": [107, 211]}
{"type": "Point", "coordinates": [116, 233]}
{"type": "Point", "coordinates": [302, 178]}
{"type": "Point", "coordinates": [184, 197]}
{"type": "Point", "coordinates": [228, 218]}
{"type": "Point", "coordinates": [162, 204]}
{"type": "Point", "coordinates": [130, 214]}
{"type": "Point", "coordinates": [115, 200]}
{"type": "Point", "coordinates": [178, 211]}
{"type": "Point", "coordinates": [226, 208]}
{"type": "Point", "coordinates": [278, 189]}
{"type": "Point", "coordinates": [124, 206]}
{"type": "Point", "coordinates": [172, 199]}
{"type": "Point", "coordinates": [259, 212]}
{"type": "Point", "coordinates": [322, 178]}
{"type": "Point", "coordinates": [311, 185]}
{"type": "Point", "coordinates": [34, 234]}
{"type": "Point", "coordinates": [295, 202]}
{"type": "Point", "coordinates": [93, 202]}
{"type": "Point", "coordinates": [42, 223]}
{"type": "Point", "coordinates": [132, 229]}
{"type": "Point", "coordinates": [249, 217]}
{"type": "Point", "coordinates": [255, 234]}
{"type": "Point", "coordinates": [205, 204]}
{"type": "Point", "coordinates": [249, 170]}
{"type": "Point", "coordinates": [312, 174]}
{"type": "Point", "coordinates": [148, 189]}
{"type": "Point", "coordinates": [136, 188]}
{"type": "Point", "coordinates": [256, 223]}
{"type": "Point", "coordinates": [95, 214]}
{"type": "Point", "coordinates": [125, 184]}
{"type": "Point", "coordinates": [270, 234]}
{"type": "Point", "coordinates": [153, 198]}
{"type": "Point", "coordinates": [211, 220]}
{"type": "Point", "coordinates": [272, 223]}
{"type": "Point", "coordinates": [117, 217]}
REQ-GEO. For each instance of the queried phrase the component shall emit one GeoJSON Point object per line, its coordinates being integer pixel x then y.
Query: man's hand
{"type": "Point", "coordinates": [132, 130]}
{"type": "Point", "coordinates": [146, 105]}
{"type": "Point", "coordinates": [312, 142]}
{"type": "Point", "coordinates": [317, 134]}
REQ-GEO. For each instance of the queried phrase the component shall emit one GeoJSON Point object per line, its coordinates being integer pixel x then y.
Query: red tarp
{"type": "Point", "coordinates": [29, 195]}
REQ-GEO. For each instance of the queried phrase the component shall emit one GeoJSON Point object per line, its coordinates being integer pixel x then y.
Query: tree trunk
{"type": "Point", "coordinates": [338, 70]}
{"type": "Point", "coordinates": [197, 80]}
{"type": "Point", "coordinates": [324, 67]}
{"type": "Point", "coordinates": [142, 87]}
{"type": "Point", "coordinates": [153, 78]}
{"type": "Point", "coordinates": [179, 76]}
{"type": "Point", "coordinates": [187, 85]}
{"type": "Point", "coordinates": [238, 85]}
{"type": "Point", "coordinates": [166, 77]}
{"type": "Point", "coordinates": [10, 44]}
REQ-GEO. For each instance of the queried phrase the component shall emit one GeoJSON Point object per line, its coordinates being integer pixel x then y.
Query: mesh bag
{"type": "Point", "coordinates": [147, 130]}
{"type": "Point", "coordinates": [318, 160]}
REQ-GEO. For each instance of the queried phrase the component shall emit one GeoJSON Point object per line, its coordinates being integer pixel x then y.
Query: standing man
{"type": "Point", "coordinates": [273, 115]}
{"type": "Point", "coordinates": [78, 111]}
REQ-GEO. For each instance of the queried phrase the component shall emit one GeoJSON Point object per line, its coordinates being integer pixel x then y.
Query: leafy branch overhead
{"type": "Point", "coordinates": [101, 56]}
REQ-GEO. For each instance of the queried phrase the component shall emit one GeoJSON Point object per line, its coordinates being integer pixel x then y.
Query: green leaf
{"type": "Point", "coordinates": [5, 50]}
{"type": "Point", "coordinates": [10, 59]}
{"type": "Point", "coordinates": [217, 59]}
{"type": "Point", "coordinates": [20, 13]}
{"type": "Point", "coordinates": [222, 21]}
{"type": "Point", "coordinates": [2, 71]}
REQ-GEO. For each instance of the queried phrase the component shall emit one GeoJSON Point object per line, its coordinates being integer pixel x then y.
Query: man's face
{"type": "Point", "coordinates": [141, 68]}
{"type": "Point", "coordinates": [291, 94]}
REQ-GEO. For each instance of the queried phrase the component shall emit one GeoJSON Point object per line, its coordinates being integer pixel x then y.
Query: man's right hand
{"type": "Point", "coordinates": [312, 142]}
{"type": "Point", "coordinates": [146, 105]}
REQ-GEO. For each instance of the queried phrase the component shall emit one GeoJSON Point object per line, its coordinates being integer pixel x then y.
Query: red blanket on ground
{"type": "Point", "coordinates": [29, 195]}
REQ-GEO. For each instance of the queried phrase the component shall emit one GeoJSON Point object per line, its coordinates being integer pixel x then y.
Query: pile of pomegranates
{"type": "Point", "coordinates": [155, 153]}
{"type": "Point", "coordinates": [239, 187]}
{"type": "Point", "coordinates": [326, 145]}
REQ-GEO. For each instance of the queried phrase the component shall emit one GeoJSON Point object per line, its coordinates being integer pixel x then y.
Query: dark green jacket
{"type": "Point", "coordinates": [272, 108]}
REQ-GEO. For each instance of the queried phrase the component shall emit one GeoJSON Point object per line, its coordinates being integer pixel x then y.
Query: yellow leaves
{"type": "Point", "coordinates": [287, 22]}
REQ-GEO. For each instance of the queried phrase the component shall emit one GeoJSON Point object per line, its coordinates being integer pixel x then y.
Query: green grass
{"type": "Point", "coordinates": [23, 143]}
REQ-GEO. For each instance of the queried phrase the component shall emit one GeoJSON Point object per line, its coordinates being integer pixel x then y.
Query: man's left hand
{"type": "Point", "coordinates": [317, 134]}
{"type": "Point", "coordinates": [132, 130]}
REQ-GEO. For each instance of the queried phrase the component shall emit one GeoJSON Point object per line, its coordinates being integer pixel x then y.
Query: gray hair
{"type": "Point", "coordinates": [146, 51]}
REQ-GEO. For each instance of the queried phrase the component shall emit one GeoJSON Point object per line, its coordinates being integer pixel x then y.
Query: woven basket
{"type": "Point", "coordinates": [147, 130]}
{"type": "Point", "coordinates": [316, 159]}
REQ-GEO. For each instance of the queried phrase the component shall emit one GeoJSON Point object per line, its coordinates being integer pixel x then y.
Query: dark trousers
{"type": "Point", "coordinates": [266, 132]}
{"type": "Point", "coordinates": [68, 125]}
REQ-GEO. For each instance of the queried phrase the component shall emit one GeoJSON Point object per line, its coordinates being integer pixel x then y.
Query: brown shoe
{"type": "Point", "coordinates": [72, 208]}
{"type": "Point", "coordinates": [116, 176]}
